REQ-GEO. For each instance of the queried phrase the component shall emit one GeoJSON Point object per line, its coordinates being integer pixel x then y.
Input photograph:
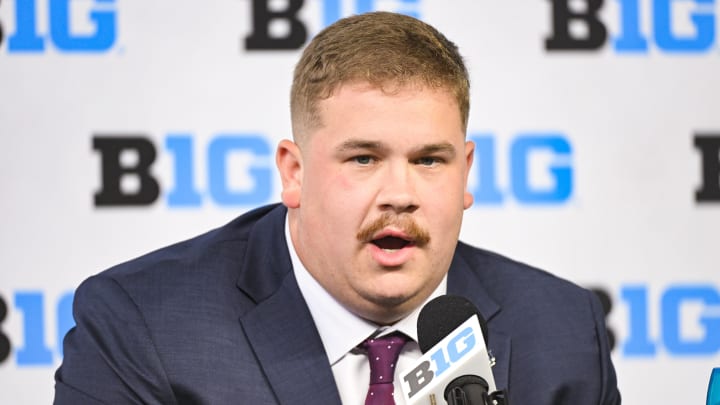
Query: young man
{"type": "Point", "coordinates": [278, 305]}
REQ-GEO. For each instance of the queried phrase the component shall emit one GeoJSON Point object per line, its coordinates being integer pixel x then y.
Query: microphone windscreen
{"type": "Point", "coordinates": [443, 315]}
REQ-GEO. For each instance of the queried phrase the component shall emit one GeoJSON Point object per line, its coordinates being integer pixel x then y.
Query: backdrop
{"type": "Point", "coordinates": [129, 125]}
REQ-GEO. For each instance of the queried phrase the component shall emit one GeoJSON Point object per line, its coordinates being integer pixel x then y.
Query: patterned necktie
{"type": "Point", "coordinates": [383, 354]}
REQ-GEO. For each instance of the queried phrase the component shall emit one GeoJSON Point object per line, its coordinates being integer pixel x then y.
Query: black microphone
{"type": "Point", "coordinates": [442, 315]}
{"type": "Point", "coordinates": [452, 335]}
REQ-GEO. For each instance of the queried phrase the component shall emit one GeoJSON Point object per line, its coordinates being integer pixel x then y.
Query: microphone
{"type": "Point", "coordinates": [439, 317]}
{"type": "Point", "coordinates": [455, 365]}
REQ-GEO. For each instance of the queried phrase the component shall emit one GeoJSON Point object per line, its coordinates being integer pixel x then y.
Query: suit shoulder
{"type": "Point", "coordinates": [522, 290]}
{"type": "Point", "coordinates": [510, 273]}
{"type": "Point", "coordinates": [204, 266]}
{"type": "Point", "coordinates": [224, 243]}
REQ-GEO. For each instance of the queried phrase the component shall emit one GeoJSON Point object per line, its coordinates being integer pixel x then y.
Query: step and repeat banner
{"type": "Point", "coordinates": [129, 125]}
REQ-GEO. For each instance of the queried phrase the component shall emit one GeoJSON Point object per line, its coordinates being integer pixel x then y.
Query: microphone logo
{"type": "Point", "coordinates": [458, 351]}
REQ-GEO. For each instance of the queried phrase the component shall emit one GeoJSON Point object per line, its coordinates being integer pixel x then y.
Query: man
{"type": "Point", "coordinates": [283, 304]}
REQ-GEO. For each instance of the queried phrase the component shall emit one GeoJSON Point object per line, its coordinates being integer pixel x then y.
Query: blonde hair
{"type": "Point", "coordinates": [384, 49]}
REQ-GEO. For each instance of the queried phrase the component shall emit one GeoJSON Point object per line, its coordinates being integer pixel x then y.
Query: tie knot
{"type": "Point", "coordinates": [383, 354]}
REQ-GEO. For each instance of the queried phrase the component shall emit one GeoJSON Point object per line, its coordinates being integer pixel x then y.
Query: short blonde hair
{"type": "Point", "coordinates": [384, 49]}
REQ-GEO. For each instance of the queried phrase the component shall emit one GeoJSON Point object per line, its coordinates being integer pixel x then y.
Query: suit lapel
{"type": "Point", "coordinates": [280, 328]}
{"type": "Point", "coordinates": [464, 281]}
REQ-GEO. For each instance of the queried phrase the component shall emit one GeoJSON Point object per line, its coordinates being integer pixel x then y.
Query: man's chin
{"type": "Point", "coordinates": [388, 308]}
{"type": "Point", "coordinates": [390, 301]}
{"type": "Point", "coordinates": [391, 290]}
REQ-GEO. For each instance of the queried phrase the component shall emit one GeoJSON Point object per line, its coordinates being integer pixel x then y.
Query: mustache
{"type": "Point", "coordinates": [404, 223]}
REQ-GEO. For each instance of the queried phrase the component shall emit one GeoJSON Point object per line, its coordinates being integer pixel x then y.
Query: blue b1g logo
{"type": "Point", "coordinates": [267, 15]}
{"type": "Point", "coordinates": [677, 26]}
{"type": "Point", "coordinates": [33, 349]}
{"type": "Point", "coordinates": [673, 335]}
{"type": "Point", "coordinates": [252, 151]}
{"type": "Point", "coordinates": [62, 27]}
{"type": "Point", "coordinates": [529, 155]}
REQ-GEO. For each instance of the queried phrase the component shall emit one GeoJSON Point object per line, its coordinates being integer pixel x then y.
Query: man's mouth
{"type": "Point", "coordinates": [391, 243]}
{"type": "Point", "coordinates": [391, 233]}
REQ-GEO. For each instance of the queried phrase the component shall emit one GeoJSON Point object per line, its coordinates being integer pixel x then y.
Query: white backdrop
{"type": "Point", "coordinates": [619, 124]}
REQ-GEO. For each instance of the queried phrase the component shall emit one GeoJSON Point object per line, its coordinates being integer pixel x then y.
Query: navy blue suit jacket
{"type": "Point", "coordinates": [219, 319]}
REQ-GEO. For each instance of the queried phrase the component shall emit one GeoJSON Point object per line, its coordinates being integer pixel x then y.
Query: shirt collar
{"type": "Point", "coordinates": [341, 330]}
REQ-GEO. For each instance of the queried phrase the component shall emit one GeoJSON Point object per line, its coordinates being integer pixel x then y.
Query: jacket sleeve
{"type": "Point", "coordinates": [109, 356]}
{"type": "Point", "coordinates": [609, 393]}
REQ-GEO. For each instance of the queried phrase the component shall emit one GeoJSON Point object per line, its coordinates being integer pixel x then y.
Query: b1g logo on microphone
{"type": "Point", "coordinates": [96, 32]}
{"type": "Point", "coordinates": [462, 352]}
{"type": "Point", "coordinates": [281, 28]}
{"type": "Point", "coordinates": [676, 26]}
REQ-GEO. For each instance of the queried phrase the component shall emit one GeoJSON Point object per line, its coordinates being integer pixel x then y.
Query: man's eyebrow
{"type": "Point", "coordinates": [443, 147]}
{"type": "Point", "coordinates": [357, 144]}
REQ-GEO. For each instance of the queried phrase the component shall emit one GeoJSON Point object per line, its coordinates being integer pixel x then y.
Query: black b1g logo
{"type": "Point", "coordinates": [4, 341]}
{"type": "Point", "coordinates": [1, 28]}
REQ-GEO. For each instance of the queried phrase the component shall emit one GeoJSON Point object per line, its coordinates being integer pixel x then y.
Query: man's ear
{"type": "Point", "coordinates": [469, 155]}
{"type": "Point", "coordinates": [289, 164]}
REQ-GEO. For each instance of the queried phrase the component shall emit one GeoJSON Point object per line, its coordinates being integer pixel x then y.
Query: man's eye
{"type": "Point", "coordinates": [428, 161]}
{"type": "Point", "coordinates": [363, 160]}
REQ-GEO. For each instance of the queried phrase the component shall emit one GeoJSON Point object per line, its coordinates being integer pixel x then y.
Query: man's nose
{"type": "Point", "coordinates": [398, 191]}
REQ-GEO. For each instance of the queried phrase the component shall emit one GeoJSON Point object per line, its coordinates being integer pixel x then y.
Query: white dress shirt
{"type": "Point", "coordinates": [341, 331]}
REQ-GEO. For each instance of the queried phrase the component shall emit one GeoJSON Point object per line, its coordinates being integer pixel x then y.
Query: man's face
{"type": "Point", "coordinates": [376, 196]}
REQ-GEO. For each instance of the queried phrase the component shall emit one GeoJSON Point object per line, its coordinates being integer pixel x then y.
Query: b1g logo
{"type": "Point", "coordinates": [63, 26]}
{"type": "Point", "coordinates": [689, 320]}
{"type": "Point", "coordinates": [539, 169]}
{"type": "Point", "coordinates": [677, 26]}
{"type": "Point", "coordinates": [276, 28]}
{"type": "Point", "coordinates": [238, 170]}
{"type": "Point", "coordinates": [462, 346]}
{"type": "Point", "coordinates": [32, 349]}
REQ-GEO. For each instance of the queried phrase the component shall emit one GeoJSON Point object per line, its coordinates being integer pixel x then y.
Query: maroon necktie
{"type": "Point", "coordinates": [383, 354]}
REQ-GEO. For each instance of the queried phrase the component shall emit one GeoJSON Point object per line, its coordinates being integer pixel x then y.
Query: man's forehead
{"type": "Point", "coordinates": [350, 94]}
{"type": "Point", "coordinates": [367, 95]}
{"type": "Point", "coordinates": [313, 119]}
